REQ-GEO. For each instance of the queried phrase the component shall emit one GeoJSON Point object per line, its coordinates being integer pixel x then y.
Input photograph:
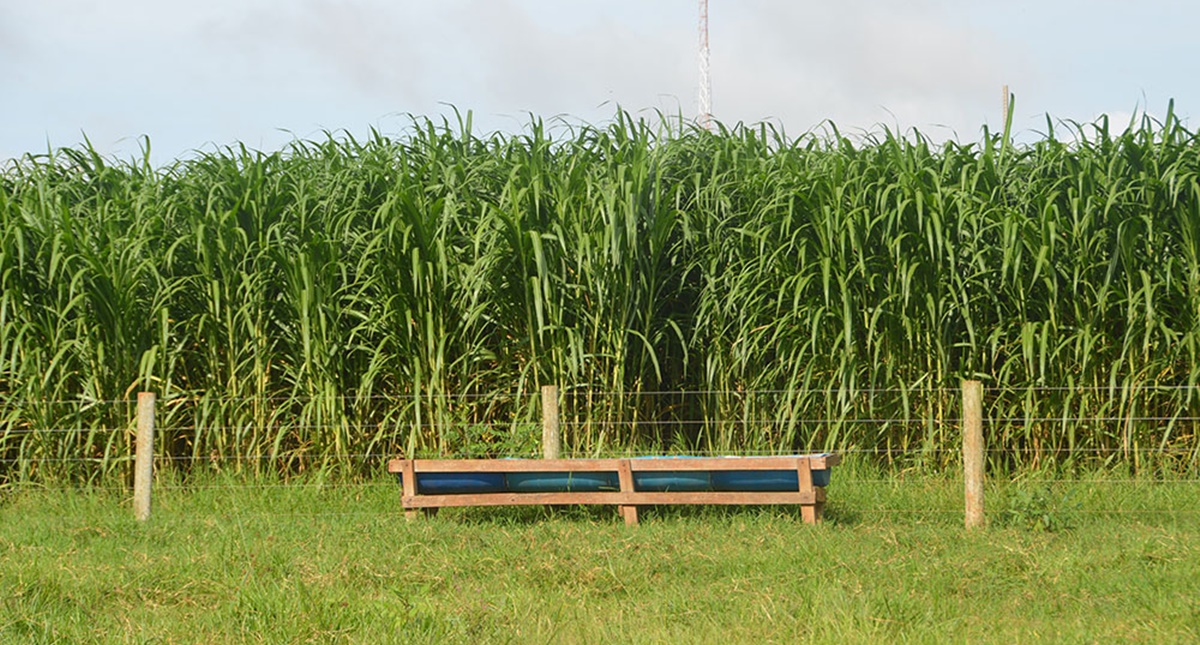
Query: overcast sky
{"type": "Point", "coordinates": [193, 74]}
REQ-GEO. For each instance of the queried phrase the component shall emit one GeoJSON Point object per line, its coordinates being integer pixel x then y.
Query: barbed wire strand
{"type": "Point", "coordinates": [572, 423]}
{"type": "Point", "coordinates": [1121, 391]}
{"type": "Point", "coordinates": [295, 454]}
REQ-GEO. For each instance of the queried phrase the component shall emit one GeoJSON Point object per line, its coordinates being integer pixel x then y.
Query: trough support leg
{"type": "Point", "coordinates": [630, 513]}
{"type": "Point", "coordinates": [625, 475]}
{"type": "Point", "coordinates": [408, 482]}
{"type": "Point", "coordinates": [811, 513]}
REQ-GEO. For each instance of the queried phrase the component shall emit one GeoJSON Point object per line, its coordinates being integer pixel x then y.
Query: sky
{"type": "Point", "coordinates": [193, 75]}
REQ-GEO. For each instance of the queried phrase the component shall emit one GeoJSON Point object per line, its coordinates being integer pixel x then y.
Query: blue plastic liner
{"type": "Point", "coordinates": [558, 482]}
{"type": "Point", "coordinates": [671, 481]}
{"type": "Point", "coordinates": [459, 483]}
{"type": "Point", "coordinates": [764, 480]}
{"type": "Point", "coordinates": [647, 481]}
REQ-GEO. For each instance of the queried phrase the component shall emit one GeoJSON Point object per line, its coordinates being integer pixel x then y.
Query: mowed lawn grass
{"type": "Point", "coordinates": [233, 562]}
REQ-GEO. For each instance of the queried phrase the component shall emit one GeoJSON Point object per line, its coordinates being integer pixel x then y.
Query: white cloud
{"type": "Point", "coordinates": [501, 55]}
{"type": "Point", "coordinates": [369, 48]}
{"type": "Point", "coordinates": [527, 66]}
{"type": "Point", "coordinates": [859, 63]}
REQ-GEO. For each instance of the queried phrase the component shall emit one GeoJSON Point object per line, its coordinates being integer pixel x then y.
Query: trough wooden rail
{"type": "Point", "coordinates": [809, 497]}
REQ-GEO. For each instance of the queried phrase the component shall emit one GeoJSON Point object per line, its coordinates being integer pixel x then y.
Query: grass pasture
{"type": "Point", "coordinates": [306, 562]}
{"type": "Point", "coordinates": [306, 313]}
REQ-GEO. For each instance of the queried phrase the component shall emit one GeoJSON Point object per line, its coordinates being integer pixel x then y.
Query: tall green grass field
{"type": "Point", "coordinates": [409, 294]}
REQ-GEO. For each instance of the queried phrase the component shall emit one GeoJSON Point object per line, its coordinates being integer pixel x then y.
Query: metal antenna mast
{"type": "Point", "coordinates": [705, 114]}
{"type": "Point", "coordinates": [1004, 108]}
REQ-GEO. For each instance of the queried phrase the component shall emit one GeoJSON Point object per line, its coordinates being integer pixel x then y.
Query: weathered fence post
{"type": "Point", "coordinates": [143, 467]}
{"type": "Point", "coordinates": [550, 438]}
{"type": "Point", "coordinates": [973, 463]}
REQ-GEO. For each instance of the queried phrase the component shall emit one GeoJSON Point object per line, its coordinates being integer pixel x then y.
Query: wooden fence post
{"type": "Point", "coordinates": [550, 439]}
{"type": "Point", "coordinates": [973, 462]}
{"type": "Point", "coordinates": [143, 467]}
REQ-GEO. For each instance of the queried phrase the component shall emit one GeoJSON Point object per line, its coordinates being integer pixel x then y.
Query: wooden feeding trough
{"type": "Point", "coordinates": [430, 484]}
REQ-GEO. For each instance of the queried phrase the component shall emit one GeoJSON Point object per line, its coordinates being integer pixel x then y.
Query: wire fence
{"type": "Point", "coordinates": [1037, 438]}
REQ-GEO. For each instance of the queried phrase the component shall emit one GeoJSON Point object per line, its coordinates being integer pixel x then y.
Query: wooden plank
{"type": "Point", "coordinates": [618, 498]}
{"type": "Point", "coordinates": [625, 476]}
{"type": "Point", "coordinates": [804, 478]}
{"type": "Point", "coordinates": [600, 465]}
{"type": "Point", "coordinates": [827, 461]}
{"type": "Point", "coordinates": [408, 484]}
{"type": "Point", "coordinates": [803, 474]}
{"type": "Point", "coordinates": [396, 466]}
{"type": "Point", "coordinates": [720, 463]}
{"type": "Point", "coordinates": [514, 465]}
